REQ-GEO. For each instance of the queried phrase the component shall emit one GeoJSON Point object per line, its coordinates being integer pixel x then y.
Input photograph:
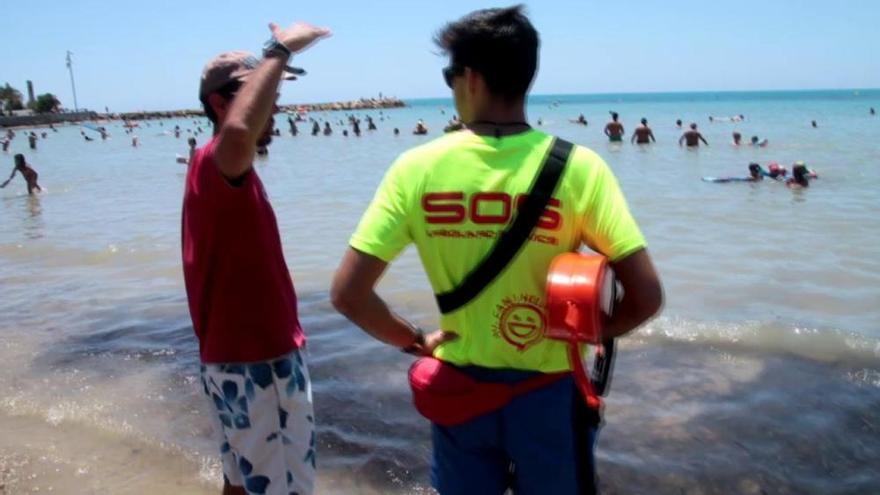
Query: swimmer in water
{"type": "Point", "coordinates": [327, 130]}
{"type": "Point", "coordinates": [29, 174]}
{"type": "Point", "coordinates": [799, 177]}
{"type": "Point", "coordinates": [692, 137]}
{"type": "Point", "coordinates": [396, 131]}
{"type": "Point", "coordinates": [454, 125]}
{"type": "Point", "coordinates": [316, 128]}
{"type": "Point", "coordinates": [814, 124]}
{"type": "Point", "coordinates": [678, 123]}
{"type": "Point", "coordinates": [737, 138]}
{"type": "Point", "coordinates": [756, 142]}
{"type": "Point", "coordinates": [192, 151]}
{"type": "Point", "coordinates": [32, 140]}
{"type": "Point", "coordinates": [581, 120]}
{"type": "Point", "coordinates": [614, 129]}
{"type": "Point", "coordinates": [756, 173]}
{"type": "Point", "coordinates": [776, 171]}
{"type": "Point", "coordinates": [192, 148]}
{"type": "Point", "coordinates": [643, 134]}
{"type": "Point", "coordinates": [420, 129]}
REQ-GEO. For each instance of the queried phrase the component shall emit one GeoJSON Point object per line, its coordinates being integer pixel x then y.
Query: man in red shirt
{"type": "Point", "coordinates": [241, 296]}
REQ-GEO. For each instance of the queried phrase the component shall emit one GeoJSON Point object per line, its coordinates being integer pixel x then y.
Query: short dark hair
{"type": "Point", "coordinates": [501, 44]}
{"type": "Point", "coordinates": [227, 91]}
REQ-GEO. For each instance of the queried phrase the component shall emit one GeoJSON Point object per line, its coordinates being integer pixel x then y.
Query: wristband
{"type": "Point", "coordinates": [273, 48]}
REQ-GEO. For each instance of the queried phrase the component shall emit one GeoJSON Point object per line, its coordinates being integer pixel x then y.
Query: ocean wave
{"type": "Point", "coordinates": [826, 345]}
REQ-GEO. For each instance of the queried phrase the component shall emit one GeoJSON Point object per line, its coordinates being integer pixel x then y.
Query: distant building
{"type": "Point", "coordinates": [30, 86]}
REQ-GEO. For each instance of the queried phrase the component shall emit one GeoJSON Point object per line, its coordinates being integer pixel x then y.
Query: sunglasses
{"type": "Point", "coordinates": [450, 72]}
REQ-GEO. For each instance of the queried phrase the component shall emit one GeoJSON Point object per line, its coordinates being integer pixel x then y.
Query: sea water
{"type": "Point", "coordinates": [762, 375]}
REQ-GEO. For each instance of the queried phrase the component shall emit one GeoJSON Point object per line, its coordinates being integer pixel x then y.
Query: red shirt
{"type": "Point", "coordinates": [241, 296]}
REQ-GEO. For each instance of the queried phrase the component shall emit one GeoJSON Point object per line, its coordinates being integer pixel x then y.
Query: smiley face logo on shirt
{"type": "Point", "coordinates": [521, 324]}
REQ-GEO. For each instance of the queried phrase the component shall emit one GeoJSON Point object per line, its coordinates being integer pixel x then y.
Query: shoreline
{"type": "Point", "coordinates": [44, 120]}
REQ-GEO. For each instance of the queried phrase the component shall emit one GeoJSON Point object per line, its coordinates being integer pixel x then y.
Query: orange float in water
{"type": "Point", "coordinates": [580, 296]}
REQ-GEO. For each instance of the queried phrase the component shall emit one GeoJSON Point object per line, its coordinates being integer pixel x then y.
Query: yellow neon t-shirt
{"type": "Point", "coordinates": [452, 197]}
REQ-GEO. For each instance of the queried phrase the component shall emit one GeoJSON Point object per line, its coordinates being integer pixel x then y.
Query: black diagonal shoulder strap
{"type": "Point", "coordinates": [512, 239]}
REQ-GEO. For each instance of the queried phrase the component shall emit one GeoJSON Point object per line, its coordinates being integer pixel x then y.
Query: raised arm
{"type": "Point", "coordinates": [252, 108]}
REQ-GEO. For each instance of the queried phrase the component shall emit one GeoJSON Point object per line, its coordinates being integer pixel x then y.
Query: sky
{"type": "Point", "coordinates": [148, 55]}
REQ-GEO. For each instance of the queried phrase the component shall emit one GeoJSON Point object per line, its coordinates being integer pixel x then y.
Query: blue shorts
{"type": "Point", "coordinates": [540, 443]}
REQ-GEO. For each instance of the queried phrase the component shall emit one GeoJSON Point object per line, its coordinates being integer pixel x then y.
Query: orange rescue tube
{"type": "Point", "coordinates": [580, 293]}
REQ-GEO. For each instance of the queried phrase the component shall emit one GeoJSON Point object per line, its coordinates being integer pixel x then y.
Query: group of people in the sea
{"type": "Point", "coordinates": [643, 134]}
{"type": "Point", "coordinates": [800, 175]}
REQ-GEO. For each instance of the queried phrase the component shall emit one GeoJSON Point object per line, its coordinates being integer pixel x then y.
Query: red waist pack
{"type": "Point", "coordinates": [448, 396]}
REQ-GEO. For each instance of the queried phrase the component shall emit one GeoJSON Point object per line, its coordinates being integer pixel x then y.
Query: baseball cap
{"type": "Point", "coordinates": [235, 66]}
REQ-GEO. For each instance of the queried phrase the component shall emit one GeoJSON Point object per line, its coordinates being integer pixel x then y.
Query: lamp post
{"type": "Point", "coordinates": [72, 85]}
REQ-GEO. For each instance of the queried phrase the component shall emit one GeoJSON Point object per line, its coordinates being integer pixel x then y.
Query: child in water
{"type": "Point", "coordinates": [800, 176]}
{"type": "Point", "coordinates": [756, 173]}
{"type": "Point", "coordinates": [30, 175]}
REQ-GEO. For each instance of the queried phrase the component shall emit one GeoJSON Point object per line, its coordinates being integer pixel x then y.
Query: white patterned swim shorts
{"type": "Point", "coordinates": [264, 423]}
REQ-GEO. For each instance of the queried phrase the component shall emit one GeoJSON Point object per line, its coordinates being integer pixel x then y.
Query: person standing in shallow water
{"type": "Point", "coordinates": [643, 134]}
{"type": "Point", "coordinates": [542, 442]}
{"type": "Point", "coordinates": [692, 137]}
{"type": "Point", "coordinates": [241, 297]}
{"type": "Point", "coordinates": [614, 129]}
{"type": "Point", "coordinates": [30, 175]}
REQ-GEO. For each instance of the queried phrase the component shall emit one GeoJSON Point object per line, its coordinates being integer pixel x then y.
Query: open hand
{"type": "Point", "coordinates": [299, 35]}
